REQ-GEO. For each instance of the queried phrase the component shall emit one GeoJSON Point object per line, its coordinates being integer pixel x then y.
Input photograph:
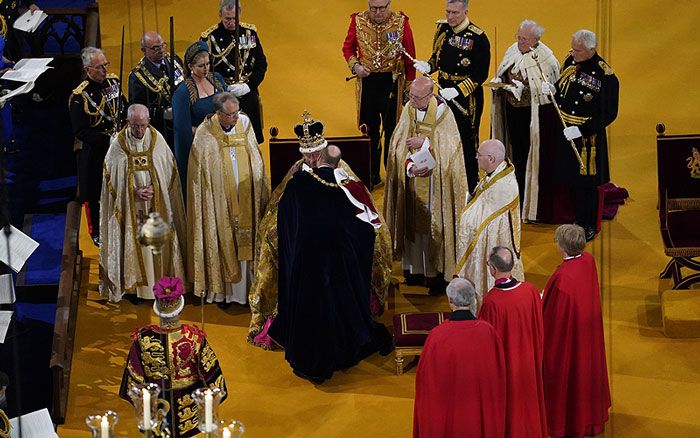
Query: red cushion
{"type": "Point", "coordinates": [411, 329]}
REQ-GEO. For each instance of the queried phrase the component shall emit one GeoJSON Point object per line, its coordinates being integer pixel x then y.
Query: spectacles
{"type": "Point", "coordinates": [233, 114]}
{"type": "Point", "coordinates": [104, 66]}
{"type": "Point", "coordinates": [157, 47]}
{"type": "Point", "coordinates": [523, 38]}
{"type": "Point", "coordinates": [379, 8]}
{"type": "Point", "coordinates": [478, 155]}
{"type": "Point", "coordinates": [413, 97]}
{"type": "Point", "coordinates": [136, 126]}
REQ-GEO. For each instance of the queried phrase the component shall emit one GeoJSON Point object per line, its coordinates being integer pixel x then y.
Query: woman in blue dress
{"type": "Point", "coordinates": [192, 101]}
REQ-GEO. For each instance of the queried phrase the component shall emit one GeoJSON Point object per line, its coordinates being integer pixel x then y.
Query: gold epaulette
{"type": "Point", "coordinates": [477, 30]}
{"type": "Point", "coordinates": [606, 68]}
{"type": "Point", "coordinates": [112, 76]}
{"type": "Point", "coordinates": [79, 89]}
{"type": "Point", "coordinates": [207, 32]}
{"type": "Point", "coordinates": [441, 21]}
{"type": "Point", "coordinates": [249, 26]}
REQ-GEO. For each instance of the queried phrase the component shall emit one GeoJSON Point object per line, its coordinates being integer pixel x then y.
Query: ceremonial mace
{"type": "Point", "coordinates": [399, 48]}
{"type": "Point", "coordinates": [561, 117]}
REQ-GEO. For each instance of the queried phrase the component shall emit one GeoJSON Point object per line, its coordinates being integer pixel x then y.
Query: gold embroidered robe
{"type": "Point", "coordinates": [125, 265]}
{"type": "Point", "coordinates": [491, 218]}
{"type": "Point", "coordinates": [408, 201]}
{"type": "Point", "coordinates": [222, 216]}
{"type": "Point", "coordinates": [263, 291]}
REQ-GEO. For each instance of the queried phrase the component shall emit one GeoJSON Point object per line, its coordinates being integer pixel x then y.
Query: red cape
{"type": "Point", "coordinates": [576, 388]}
{"type": "Point", "coordinates": [516, 314]}
{"type": "Point", "coordinates": [461, 382]}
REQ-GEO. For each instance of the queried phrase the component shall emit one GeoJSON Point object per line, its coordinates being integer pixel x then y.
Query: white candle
{"type": "Point", "coordinates": [104, 427]}
{"type": "Point", "coordinates": [208, 411]}
{"type": "Point", "coordinates": [146, 409]}
{"type": "Point", "coordinates": [227, 433]}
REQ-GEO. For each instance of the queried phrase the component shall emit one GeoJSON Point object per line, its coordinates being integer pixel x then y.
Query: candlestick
{"type": "Point", "coordinates": [146, 409]}
{"type": "Point", "coordinates": [208, 411]}
{"type": "Point", "coordinates": [104, 427]}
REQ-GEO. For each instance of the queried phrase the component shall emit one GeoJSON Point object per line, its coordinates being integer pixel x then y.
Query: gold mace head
{"type": "Point", "coordinates": [154, 232]}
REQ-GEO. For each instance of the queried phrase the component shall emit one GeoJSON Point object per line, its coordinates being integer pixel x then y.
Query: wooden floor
{"type": "Point", "coordinates": [655, 381]}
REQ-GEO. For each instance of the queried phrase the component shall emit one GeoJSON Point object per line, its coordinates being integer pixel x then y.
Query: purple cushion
{"type": "Point", "coordinates": [411, 329]}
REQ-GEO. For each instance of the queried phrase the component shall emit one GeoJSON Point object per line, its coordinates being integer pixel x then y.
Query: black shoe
{"type": "Point", "coordinates": [314, 380]}
{"type": "Point", "coordinates": [223, 305]}
{"type": "Point", "coordinates": [96, 240]}
{"type": "Point", "coordinates": [436, 285]}
{"type": "Point", "coordinates": [590, 233]}
{"type": "Point", "coordinates": [134, 299]}
{"type": "Point", "coordinates": [413, 279]}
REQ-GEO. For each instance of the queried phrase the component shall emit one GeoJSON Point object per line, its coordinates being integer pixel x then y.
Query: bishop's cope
{"type": "Point", "coordinates": [242, 63]}
{"type": "Point", "coordinates": [263, 296]}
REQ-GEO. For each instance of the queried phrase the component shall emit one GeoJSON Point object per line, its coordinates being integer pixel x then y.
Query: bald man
{"type": "Point", "coordinates": [491, 218]}
{"type": "Point", "coordinates": [149, 82]}
{"type": "Point", "coordinates": [426, 188]}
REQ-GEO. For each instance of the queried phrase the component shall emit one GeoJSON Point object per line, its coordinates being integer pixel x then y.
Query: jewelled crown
{"type": "Point", "coordinates": [310, 133]}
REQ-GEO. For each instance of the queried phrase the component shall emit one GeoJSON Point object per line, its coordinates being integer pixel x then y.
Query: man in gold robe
{"type": "Point", "coordinates": [227, 193]}
{"type": "Point", "coordinates": [140, 177]}
{"type": "Point", "coordinates": [491, 218]}
{"type": "Point", "coordinates": [263, 291]}
{"type": "Point", "coordinates": [426, 188]}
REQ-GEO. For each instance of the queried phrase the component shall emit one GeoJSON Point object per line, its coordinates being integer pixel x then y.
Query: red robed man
{"type": "Point", "coordinates": [514, 308]}
{"type": "Point", "coordinates": [576, 388]}
{"type": "Point", "coordinates": [461, 378]}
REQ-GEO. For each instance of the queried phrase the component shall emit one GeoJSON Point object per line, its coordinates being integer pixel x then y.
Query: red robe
{"type": "Point", "coordinates": [576, 388]}
{"type": "Point", "coordinates": [461, 382]}
{"type": "Point", "coordinates": [515, 311]}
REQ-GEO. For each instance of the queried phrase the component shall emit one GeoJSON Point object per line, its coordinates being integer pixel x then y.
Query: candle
{"type": "Point", "coordinates": [104, 427]}
{"type": "Point", "coordinates": [146, 409]}
{"type": "Point", "coordinates": [227, 433]}
{"type": "Point", "coordinates": [208, 411]}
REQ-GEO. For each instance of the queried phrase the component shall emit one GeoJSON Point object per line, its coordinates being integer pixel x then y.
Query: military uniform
{"type": "Point", "coordinates": [587, 95]}
{"type": "Point", "coordinates": [94, 114]}
{"type": "Point", "coordinates": [461, 57]}
{"type": "Point", "coordinates": [224, 54]}
{"type": "Point", "coordinates": [371, 45]}
{"type": "Point", "coordinates": [149, 84]}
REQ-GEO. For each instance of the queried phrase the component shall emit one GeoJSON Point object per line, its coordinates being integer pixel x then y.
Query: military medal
{"type": "Point", "coordinates": [588, 97]}
{"type": "Point", "coordinates": [465, 62]}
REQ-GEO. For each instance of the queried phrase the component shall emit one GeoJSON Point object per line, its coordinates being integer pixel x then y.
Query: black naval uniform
{"type": "Point", "coordinates": [93, 107]}
{"type": "Point", "coordinates": [149, 85]}
{"type": "Point", "coordinates": [587, 95]}
{"type": "Point", "coordinates": [223, 50]}
{"type": "Point", "coordinates": [461, 57]}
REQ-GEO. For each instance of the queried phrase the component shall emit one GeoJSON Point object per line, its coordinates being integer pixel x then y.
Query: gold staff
{"type": "Point", "coordinates": [561, 117]}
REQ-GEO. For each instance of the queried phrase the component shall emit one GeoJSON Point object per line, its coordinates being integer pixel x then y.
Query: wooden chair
{"type": "Point", "coordinates": [678, 160]}
{"type": "Point", "coordinates": [284, 152]}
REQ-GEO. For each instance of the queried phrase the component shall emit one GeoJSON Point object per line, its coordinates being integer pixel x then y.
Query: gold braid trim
{"type": "Point", "coordinates": [4, 423]}
{"type": "Point", "coordinates": [113, 193]}
{"type": "Point", "coordinates": [192, 87]}
{"type": "Point", "coordinates": [326, 183]}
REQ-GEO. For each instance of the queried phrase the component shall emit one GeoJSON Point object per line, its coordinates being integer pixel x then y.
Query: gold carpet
{"type": "Point", "coordinates": [655, 381]}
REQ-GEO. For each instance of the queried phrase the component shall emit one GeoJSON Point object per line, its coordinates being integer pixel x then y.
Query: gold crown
{"type": "Point", "coordinates": [310, 134]}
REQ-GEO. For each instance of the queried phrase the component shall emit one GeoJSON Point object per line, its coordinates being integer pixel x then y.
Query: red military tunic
{"type": "Point", "coordinates": [515, 310]}
{"type": "Point", "coordinates": [576, 388]}
{"type": "Point", "coordinates": [461, 381]}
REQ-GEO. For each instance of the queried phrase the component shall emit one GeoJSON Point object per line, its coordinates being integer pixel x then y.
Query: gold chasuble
{"type": "Point", "coordinates": [263, 291]}
{"type": "Point", "coordinates": [125, 265]}
{"type": "Point", "coordinates": [491, 218]}
{"type": "Point", "coordinates": [426, 205]}
{"type": "Point", "coordinates": [227, 193]}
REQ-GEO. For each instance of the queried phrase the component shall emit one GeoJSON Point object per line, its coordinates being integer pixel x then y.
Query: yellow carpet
{"type": "Point", "coordinates": [655, 381]}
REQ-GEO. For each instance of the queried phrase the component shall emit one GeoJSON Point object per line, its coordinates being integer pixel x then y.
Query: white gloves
{"type": "Point", "coordinates": [422, 66]}
{"type": "Point", "coordinates": [449, 93]}
{"type": "Point", "coordinates": [572, 132]}
{"type": "Point", "coordinates": [517, 88]}
{"type": "Point", "coordinates": [548, 88]}
{"type": "Point", "coordinates": [239, 90]}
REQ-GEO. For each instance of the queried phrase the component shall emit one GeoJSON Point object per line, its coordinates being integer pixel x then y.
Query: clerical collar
{"type": "Point", "coordinates": [229, 130]}
{"type": "Point", "coordinates": [506, 283]}
{"type": "Point", "coordinates": [572, 257]}
{"type": "Point", "coordinates": [462, 315]}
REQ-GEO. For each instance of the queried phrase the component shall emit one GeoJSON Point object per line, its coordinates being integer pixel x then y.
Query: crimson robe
{"type": "Point", "coordinates": [576, 388]}
{"type": "Point", "coordinates": [461, 381]}
{"type": "Point", "coordinates": [515, 310]}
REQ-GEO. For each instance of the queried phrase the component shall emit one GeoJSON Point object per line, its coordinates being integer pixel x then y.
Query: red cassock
{"type": "Point", "coordinates": [515, 311]}
{"type": "Point", "coordinates": [576, 388]}
{"type": "Point", "coordinates": [461, 382]}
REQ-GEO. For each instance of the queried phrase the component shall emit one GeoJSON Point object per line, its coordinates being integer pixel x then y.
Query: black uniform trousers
{"type": "Point", "coordinates": [251, 106]}
{"type": "Point", "coordinates": [468, 126]}
{"type": "Point", "coordinates": [377, 110]}
{"type": "Point", "coordinates": [90, 162]}
{"type": "Point", "coordinates": [518, 125]}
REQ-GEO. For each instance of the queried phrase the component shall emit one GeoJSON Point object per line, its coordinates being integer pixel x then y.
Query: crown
{"type": "Point", "coordinates": [310, 133]}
